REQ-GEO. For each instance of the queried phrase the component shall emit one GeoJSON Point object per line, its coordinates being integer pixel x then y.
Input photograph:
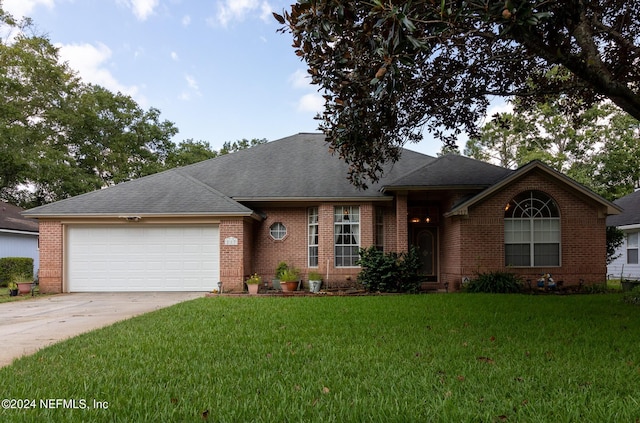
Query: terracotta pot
{"type": "Point", "coordinates": [24, 287]}
{"type": "Point", "coordinates": [289, 286]}
{"type": "Point", "coordinates": [253, 288]}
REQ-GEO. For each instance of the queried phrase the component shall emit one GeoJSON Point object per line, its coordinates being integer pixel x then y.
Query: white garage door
{"type": "Point", "coordinates": [142, 258]}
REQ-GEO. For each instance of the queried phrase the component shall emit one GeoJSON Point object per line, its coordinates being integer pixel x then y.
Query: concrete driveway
{"type": "Point", "coordinates": [27, 326]}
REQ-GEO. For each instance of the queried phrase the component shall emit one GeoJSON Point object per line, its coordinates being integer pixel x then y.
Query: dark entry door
{"type": "Point", "coordinates": [426, 239]}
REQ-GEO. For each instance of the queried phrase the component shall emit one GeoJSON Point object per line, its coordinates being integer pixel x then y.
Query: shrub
{"type": "Point", "coordinates": [389, 272]}
{"type": "Point", "coordinates": [632, 297]}
{"type": "Point", "coordinates": [495, 282]}
{"type": "Point", "coordinates": [13, 266]}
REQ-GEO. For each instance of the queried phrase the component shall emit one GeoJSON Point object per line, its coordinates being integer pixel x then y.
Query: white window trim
{"type": "Point", "coordinates": [352, 225]}
{"type": "Point", "coordinates": [283, 231]}
{"type": "Point", "coordinates": [309, 235]}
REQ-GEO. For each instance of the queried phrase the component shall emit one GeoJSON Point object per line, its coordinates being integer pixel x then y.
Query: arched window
{"type": "Point", "coordinates": [532, 231]}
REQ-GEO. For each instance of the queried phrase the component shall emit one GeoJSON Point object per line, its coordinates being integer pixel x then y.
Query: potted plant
{"type": "Point", "coordinates": [253, 283]}
{"type": "Point", "coordinates": [289, 279]}
{"type": "Point", "coordinates": [24, 282]}
{"type": "Point", "coordinates": [315, 280]}
{"type": "Point", "coordinates": [13, 289]}
{"type": "Point", "coordinates": [282, 266]}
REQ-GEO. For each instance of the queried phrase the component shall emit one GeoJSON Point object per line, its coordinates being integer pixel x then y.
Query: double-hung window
{"type": "Point", "coordinates": [313, 236]}
{"type": "Point", "coordinates": [346, 233]}
{"type": "Point", "coordinates": [632, 248]}
{"type": "Point", "coordinates": [532, 231]}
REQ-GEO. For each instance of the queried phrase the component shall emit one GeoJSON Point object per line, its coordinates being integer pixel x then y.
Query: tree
{"type": "Point", "coordinates": [598, 147]}
{"type": "Point", "coordinates": [189, 152]}
{"type": "Point", "coordinates": [60, 137]}
{"type": "Point", "coordinates": [390, 69]}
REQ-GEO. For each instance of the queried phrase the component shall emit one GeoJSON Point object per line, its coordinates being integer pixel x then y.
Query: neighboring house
{"type": "Point", "coordinates": [234, 215]}
{"type": "Point", "coordinates": [18, 235]}
{"type": "Point", "coordinates": [628, 221]}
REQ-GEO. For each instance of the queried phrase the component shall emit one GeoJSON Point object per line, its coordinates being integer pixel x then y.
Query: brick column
{"type": "Point", "coordinates": [402, 234]}
{"type": "Point", "coordinates": [51, 254]}
{"type": "Point", "coordinates": [232, 255]}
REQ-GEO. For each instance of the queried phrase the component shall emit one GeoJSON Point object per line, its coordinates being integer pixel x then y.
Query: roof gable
{"type": "Point", "coordinates": [463, 207]}
{"type": "Point", "coordinates": [631, 211]}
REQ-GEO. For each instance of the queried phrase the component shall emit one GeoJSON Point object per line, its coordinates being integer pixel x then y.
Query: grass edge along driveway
{"type": "Point", "coordinates": [437, 358]}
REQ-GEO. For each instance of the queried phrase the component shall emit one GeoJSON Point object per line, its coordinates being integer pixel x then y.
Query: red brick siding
{"type": "Point", "coordinates": [232, 257]}
{"type": "Point", "coordinates": [479, 237]}
{"type": "Point", "coordinates": [51, 254]}
{"type": "Point", "coordinates": [293, 249]}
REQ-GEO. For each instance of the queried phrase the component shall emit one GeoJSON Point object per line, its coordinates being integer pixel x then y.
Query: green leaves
{"type": "Point", "coordinates": [449, 59]}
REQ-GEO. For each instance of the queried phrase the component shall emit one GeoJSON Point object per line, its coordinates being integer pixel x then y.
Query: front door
{"type": "Point", "coordinates": [426, 239]}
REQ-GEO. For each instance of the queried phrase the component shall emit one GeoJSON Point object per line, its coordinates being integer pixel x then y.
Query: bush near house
{"type": "Point", "coordinates": [495, 282]}
{"type": "Point", "coordinates": [13, 266]}
{"type": "Point", "coordinates": [389, 272]}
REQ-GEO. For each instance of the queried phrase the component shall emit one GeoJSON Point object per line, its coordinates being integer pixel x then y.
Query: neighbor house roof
{"type": "Point", "coordinates": [536, 165]}
{"type": "Point", "coordinates": [631, 211]}
{"type": "Point", "coordinates": [12, 220]}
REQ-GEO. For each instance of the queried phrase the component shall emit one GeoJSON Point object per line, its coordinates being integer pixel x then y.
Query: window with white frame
{"type": "Point", "coordinates": [380, 228]}
{"type": "Point", "coordinates": [532, 231]}
{"type": "Point", "coordinates": [278, 231]}
{"type": "Point", "coordinates": [313, 236]}
{"type": "Point", "coordinates": [346, 232]}
{"type": "Point", "coordinates": [632, 248]}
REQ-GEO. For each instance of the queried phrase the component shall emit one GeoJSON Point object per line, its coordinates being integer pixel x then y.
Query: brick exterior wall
{"type": "Point", "coordinates": [51, 256]}
{"type": "Point", "coordinates": [475, 243]}
{"type": "Point", "coordinates": [235, 261]}
{"type": "Point", "coordinates": [466, 244]}
{"type": "Point", "coordinates": [293, 248]}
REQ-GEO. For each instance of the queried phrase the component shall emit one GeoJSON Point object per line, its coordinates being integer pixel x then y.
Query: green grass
{"type": "Point", "coordinates": [413, 358]}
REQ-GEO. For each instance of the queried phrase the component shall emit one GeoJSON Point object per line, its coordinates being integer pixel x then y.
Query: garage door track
{"type": "Point", "coordinates": [27, 326]}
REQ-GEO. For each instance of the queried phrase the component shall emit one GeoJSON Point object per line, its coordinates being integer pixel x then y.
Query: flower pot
{"type": "Point", "coordinates": [289, 286]}
{"type": "Point", "coordinates": [24, 287]}
{"type": "Point", "coordinates": [276, 284]}
{"type": "Point", "coordinates": [13, 292]}
{"type": "Point", "coordinates": [253, 288]}
{"type": "Point", "coordinates": [314, 285]}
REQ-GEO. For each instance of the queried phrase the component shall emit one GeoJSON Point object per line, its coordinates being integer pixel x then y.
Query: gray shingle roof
{"type": "Point", "coordinates": [631, 211]}
{"type": "Point", "coordinates": [11, 219]}
{"type": "Point", "coordinates": [299, 166]}
{"type": "Point", "coordinates": [166, 193]}
{"type": "Point", "coordinates": [452, 170]}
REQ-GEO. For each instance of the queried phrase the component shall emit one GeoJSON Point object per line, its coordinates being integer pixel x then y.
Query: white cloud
{"type": "Point", "coordinates": [174, 56]}
{"type": "Point", "coordinates": [300, 79]}
{"type": "Point", "coordinates": [311, 102]}
{"type": "Point", "coordinates": [90, 62]}
{"type": "Point", "coordinates": [186, 20]}
{"type": "Point", "coordinates": [21, 8]}
{"type": "Point", "coordinates": [237, 10]}
{"type": "Point", "coordinates": [193, 88]}
{"type": "Point", "coordinates": [142, 9]}
{"type": "Point", "coordinates": [191, 81]}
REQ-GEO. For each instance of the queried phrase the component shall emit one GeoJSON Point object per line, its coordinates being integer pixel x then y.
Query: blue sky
{"type": "Point", "coordinates": [215, 68]}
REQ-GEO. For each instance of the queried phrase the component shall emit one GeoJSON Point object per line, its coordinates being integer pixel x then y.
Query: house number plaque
{"type": "Point", "coordinates": [231, 241]}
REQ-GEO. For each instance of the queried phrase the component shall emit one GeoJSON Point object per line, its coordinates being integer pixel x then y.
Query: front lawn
{"type": "Point", "coordinates": [403, 358]}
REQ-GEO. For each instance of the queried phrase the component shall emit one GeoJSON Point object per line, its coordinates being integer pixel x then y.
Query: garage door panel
{"type": "Point", "coordinates": [150, 258]}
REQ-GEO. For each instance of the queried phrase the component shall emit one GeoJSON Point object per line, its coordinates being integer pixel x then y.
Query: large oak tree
{"type": "Point", "coordinates": [389, 69]}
